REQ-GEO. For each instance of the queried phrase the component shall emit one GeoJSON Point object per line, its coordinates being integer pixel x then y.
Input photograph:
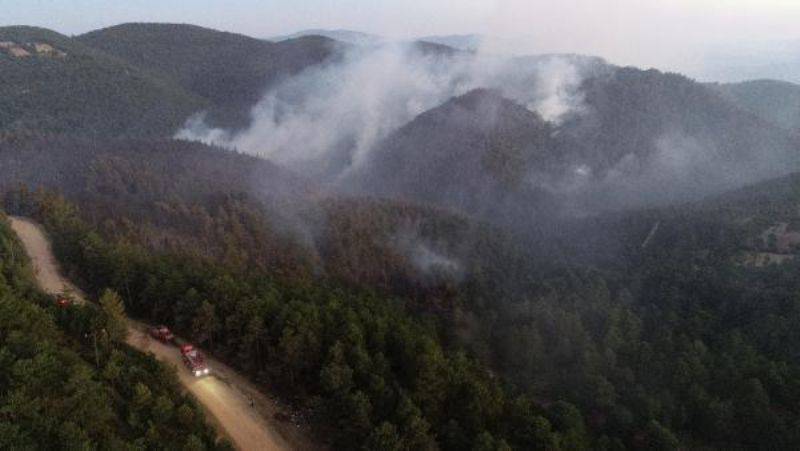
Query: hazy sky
{"type": "Point", "coordinates": [662, 33]}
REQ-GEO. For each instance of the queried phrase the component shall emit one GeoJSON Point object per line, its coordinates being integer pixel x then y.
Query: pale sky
{"type": "Point", "coordinates": [661, 33]}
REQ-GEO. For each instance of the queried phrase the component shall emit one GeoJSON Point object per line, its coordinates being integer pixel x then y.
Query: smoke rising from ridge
{"type": "Point", "coordinates": [326, 120]}
{"type": "Point", "coordinates": [424, 255]}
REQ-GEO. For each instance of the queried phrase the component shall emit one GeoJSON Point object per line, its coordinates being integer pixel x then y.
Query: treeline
{"type": "Point", "coordinates": [60, 391]}
{"type": "Point", "coordinates": [372, 375]}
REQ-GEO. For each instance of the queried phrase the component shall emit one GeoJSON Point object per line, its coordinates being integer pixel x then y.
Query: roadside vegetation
{"type": "Point", "coordinates": [57, 387]}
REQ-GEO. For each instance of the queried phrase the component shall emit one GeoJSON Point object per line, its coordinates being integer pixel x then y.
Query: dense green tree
{"type": "Point", "coordinates": [205, 324]}
{"type": "Point", "coordinates": [679, 341]}
{"type": "Point", "coordinates": [58, 390]}
{"type": "Point", "coordinates": [115, 321]}
{"type": "Point", "coordinates": [384, 437]}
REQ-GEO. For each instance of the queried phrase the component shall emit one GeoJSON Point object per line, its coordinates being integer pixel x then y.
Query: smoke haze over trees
{"type": "Point", "coordinates": [424, 247]}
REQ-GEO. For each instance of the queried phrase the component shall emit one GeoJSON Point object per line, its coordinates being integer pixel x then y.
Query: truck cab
{"type": "Point", "coordinates": [194, 360]}
{"type": "Point", "coordinates": [162, 333]}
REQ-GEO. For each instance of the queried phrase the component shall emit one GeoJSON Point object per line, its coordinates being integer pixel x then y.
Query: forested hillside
{"type": "Point", "coordinates": [188, 197]}
{"type": "Point", "coordinates": [774, 101]}
{"type": "Point", "coordinates": [588, 355]}
{"type": "Point", "coordinates": [635, 138]}
{"type": "Point", "coordinates": [230, 71]}
{"type": "Point", "coordinates": [370, 373]}
{"type": "Point", "coordinates": [57, 388]}
{"type": "Point", "coordinates": [500, 270]}
{"type": "Point", "coordinates": [140, 80]}
{"type": "Point", "coordinates": [490, 149]}
{"type": "Point", "coordinates": [53, 83]}
{"type": "Point", "coordinates": [656, 138]}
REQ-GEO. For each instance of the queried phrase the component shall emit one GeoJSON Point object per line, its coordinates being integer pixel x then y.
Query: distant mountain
{"type": "Point", "coordinates": [778, 60]}
{"type": "Point", "coordinates": [775, 101]}
{"type": "Point", "coordinates": [231, 71]}
{"type": "Point", "coordinates": [457, 41]}
{"type": "Point", "coordinates": [495, 45]}
{"type": "Point", "coordinates": [426, 48]}
{"type": "Point", "coordinates": [348, 36]}
{"type": "Point", "coordinates": [54, 83]}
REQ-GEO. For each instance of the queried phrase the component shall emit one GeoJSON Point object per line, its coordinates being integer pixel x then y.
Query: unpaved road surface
{"type": "Point", "coordinates": [44, 263]}
{"type": "Point", "coordinates": [225, 395]}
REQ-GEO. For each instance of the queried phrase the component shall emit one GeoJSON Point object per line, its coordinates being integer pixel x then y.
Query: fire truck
{"type": "Point", "coordinates": [63, 301]}
{"type": "Point", "coordinates": [162, 334]}
{"type": "Point", "coordinates": [194, 360]}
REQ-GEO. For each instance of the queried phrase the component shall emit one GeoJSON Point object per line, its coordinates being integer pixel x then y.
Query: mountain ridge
{"type": "Point", "coordinates": [58, 84]}
{"type": "Point", "coordinates": [230, 70]}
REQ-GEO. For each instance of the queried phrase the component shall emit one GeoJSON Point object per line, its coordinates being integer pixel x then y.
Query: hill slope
{"type": "Point", "coordinates": [634, 138]}
{"type": "Point", "coordinates": [474, 154]}
{"type": "Point", "coordinates": [53, 83]}
{"type": "Point", "coordinates": [775, 101]}
{"type": "Point", "coordinates": [230, 70]}
{"type": "Point", "coordinates": [674, 131]}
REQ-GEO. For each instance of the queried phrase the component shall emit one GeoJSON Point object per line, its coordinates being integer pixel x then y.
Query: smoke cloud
{"type": "Point", "coordinates": [325, 121]}
{"type": "Point", "coordinates": [424, 255]}
{"type": "Point", "coordinates": [683, 168]}
{"type": "Point", "coordinates": [558, 90]}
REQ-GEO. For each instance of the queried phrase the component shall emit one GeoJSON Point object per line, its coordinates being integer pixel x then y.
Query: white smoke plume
{"type": "Point", "coordinates": [427, 260]}
{"type": "Point", "coordinates": [326, 120]}
{"type": "Point", "coordinates": [558, 91]}
{"type": "Point", "coordinates": [423, 254]}
{"type": "Point", "coordinates": [681, 167]}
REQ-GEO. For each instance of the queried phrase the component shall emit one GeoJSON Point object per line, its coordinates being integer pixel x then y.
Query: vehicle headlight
{"type": "Point", "coordinates": [197, 373]}
{"type": "Point", "coordinates": [206, 371]}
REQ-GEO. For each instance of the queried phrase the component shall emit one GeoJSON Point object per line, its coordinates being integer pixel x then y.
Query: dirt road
{"type": "Point", "coordinates": [224, 395]}
{"type": "Point", "coordinates": [44, 263]}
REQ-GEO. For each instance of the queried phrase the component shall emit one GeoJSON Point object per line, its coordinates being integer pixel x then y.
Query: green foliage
{"type": "Point", "coordinates": [376, 373]}
{"type": "Point", "coordinates": [85, 91]}
{"type": "Point", "coordinates": [675, 341]}
{"type": "Point", "coordinates": [231, 71]}
{"type": "Point", "coordinates": [115, 322]}
{"type": "Point", "coordinates": [205, 324]}
{"type": "Point", "coordinates": [51, 394]}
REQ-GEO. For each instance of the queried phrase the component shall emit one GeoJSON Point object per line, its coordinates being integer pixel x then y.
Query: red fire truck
{"type": "Point", "coordinates": [194, 360]}
{"type": "Point", "coordinates": [162, 333]}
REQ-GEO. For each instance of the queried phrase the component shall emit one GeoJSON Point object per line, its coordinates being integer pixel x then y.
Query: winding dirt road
{"type": "Point", "coordinates": [225, 396]}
